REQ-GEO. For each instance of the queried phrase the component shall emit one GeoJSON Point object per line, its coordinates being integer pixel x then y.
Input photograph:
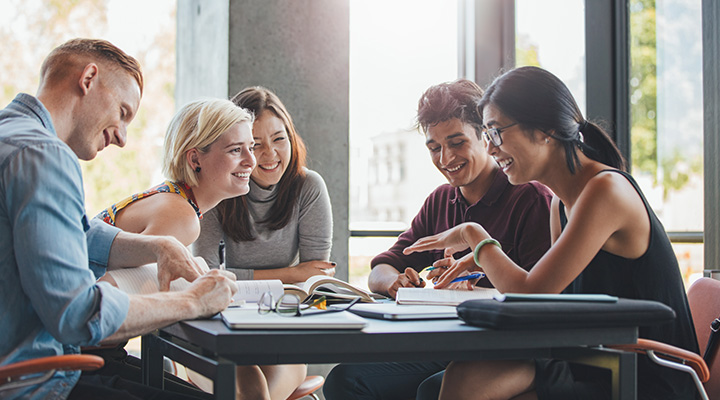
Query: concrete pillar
{"type": "Point", "coordinates": [300, 50]}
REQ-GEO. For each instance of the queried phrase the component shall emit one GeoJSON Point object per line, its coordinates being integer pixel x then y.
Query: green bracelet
{"type": "Point", "coordinates": [479, 246]}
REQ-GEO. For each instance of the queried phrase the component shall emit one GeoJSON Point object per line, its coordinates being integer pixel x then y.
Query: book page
{"type": "Point", "coordinates": [442, 296]}
{"type": "Point", "coordinates": [317, 282]}
{"type": "Point", "coordinates": [143, 280]}
{"type": "Point", "coordinates": [251, 291]}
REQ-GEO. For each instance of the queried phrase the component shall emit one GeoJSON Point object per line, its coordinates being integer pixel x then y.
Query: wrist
{"type": "Point", "coordinates": [162, 245]}
{"type": "Point", "coordinates": [479, 247]}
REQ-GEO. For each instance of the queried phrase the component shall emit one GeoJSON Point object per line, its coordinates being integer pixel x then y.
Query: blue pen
{"type": "Point", "coordinates": [468, 277]}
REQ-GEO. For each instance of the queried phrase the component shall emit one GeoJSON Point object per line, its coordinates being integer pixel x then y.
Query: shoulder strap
{"type": "Point", "coordinates": [563, 216]}
{"type": "Point", "coordinates": [712, 342]}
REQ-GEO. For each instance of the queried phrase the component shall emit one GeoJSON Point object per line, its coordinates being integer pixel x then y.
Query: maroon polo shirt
{"type": "Point", "coordinates": [516, 216]}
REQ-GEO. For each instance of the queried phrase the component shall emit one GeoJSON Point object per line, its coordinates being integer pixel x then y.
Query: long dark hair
{"type": "Point", "coordinates": [537, 99]}
{"type": "Point", "coordinates": [233, 213]}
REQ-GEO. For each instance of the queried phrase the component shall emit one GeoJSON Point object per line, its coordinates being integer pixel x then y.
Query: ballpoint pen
{"type": "Point", "coordinates": [221, 254]}
{"type": "Point", "coordinates": [468, 277]}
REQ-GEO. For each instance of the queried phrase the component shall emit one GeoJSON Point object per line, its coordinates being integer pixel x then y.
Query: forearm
{"type": "Point", "coordinates": [381, 278]}
{"type": "Point", "coordinates": [131, 250]}
{"type": "Point", "coordinates": [150, 312]}
{"type": "Point", "coordinates": [505, 275]}
{"type": "Point", "coordinates": [284, 274]}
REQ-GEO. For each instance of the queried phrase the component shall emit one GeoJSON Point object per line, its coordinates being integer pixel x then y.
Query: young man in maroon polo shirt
{"type": "Point", "coordinates": [478, 191]}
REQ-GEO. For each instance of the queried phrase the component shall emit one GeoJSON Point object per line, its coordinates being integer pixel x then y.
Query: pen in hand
{"type": "Point", "coordinates": [468, 277]}
{"type": "Point", "coordinates": [221, 254]}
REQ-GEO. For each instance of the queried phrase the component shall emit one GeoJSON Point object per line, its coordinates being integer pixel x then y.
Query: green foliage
{"type": "Point", "coordinates": [526, 53]}
{"type": "Point", "coordinates": [672, 171]}
{"type": "Point", "coordinates": [643, 87]}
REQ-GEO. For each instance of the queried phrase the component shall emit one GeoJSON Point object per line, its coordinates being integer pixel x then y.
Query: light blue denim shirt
{"type": "Point", "coordinates": [50, 303]}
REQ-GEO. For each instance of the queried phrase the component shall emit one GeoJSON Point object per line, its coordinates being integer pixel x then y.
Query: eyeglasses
{"type": "Point", "coordinates": [289, 305]}
{"type": "Point", "coordinates": [492, 135]}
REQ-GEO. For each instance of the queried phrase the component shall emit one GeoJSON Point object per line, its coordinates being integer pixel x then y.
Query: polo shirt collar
{"type": "Point", "coordinates": [497, 187]}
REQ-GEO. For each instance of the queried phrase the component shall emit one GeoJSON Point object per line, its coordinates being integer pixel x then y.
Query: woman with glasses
{"type": "Point", "coordinates": [282, 229]}
{"type": "Point", "coordinates": [606, 239]}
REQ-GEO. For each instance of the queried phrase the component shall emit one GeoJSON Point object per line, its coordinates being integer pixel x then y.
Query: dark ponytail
{"type": "Point", "coordinates": [599, 146]}
{"type": "Point", "coordinates": [537, 99]}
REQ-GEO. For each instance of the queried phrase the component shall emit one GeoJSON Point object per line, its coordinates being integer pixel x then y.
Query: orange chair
{"type": "Point", "coordinates": [32, 372]}
{"type": "Point", "coordinates": [704, 300]}
{"type": "Point", "coordinates": [308, 388]}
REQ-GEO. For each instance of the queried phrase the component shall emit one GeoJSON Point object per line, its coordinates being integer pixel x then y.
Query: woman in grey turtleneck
{"type": "Point", "coordinates": [283, 228]}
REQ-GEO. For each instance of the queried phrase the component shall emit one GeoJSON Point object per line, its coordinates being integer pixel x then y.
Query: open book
{"type": "Point", "coordinates": [445, 297]}
{"type": "Point", "coordinates": [143, 280]}
{"type": "Point", "coordinates": [332, 288]}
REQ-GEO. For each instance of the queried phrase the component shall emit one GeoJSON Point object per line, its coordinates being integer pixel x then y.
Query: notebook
{"type": "Point", "coordinates": [395, 312]}
{"type": "Point", "coordinates": [442, 297]}
{"type": "Point", "coordinates": [242, 318]}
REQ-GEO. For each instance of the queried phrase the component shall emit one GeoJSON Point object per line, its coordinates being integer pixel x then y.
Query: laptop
{"type": "Point", "coordinates": [243, 318]}
{"type": "Point", "coordinates": [395, 312]}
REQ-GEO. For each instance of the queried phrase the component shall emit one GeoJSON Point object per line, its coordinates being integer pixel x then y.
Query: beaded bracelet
{"type": "Point", "coordinates": [476, 252]}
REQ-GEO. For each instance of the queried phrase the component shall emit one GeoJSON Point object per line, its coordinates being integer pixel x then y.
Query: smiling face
{"type": "Point", "coordinates": [458, 153]}
{"type": "Point", "coordinates": [522, 155]}
{"type": "Point", "coordinates": [229, 161]}
{"type": "Point", "coordinates": [272, 149]}
{"type": "Point", "coordinates": [104, 114]}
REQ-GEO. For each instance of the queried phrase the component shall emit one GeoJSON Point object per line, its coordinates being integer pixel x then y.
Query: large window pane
{"type": "Point", "coordinates": [398, 48]}
{"type": "Point", "coordinates": [551, 34]}
{"type": "Point", "coordinates": [667, 114]}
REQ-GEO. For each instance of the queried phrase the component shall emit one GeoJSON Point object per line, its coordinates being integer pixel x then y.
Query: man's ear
{"type": "Point", "coordinates": [89, 77]}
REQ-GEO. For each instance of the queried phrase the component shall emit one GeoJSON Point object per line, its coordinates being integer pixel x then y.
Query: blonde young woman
{"type": "Point", "coordinates": [606, 239]}
{"type": "Point", "coordinates": [208, 157]}
{"type": "Point", "coordinates": [281, 230]}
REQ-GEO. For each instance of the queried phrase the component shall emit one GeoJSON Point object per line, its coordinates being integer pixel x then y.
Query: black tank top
{"type": "Point", "coordinates": [653, 276]}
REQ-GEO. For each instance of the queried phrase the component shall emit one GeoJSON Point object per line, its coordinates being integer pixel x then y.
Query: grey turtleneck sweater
{"type": "Point", "coordinates": [307, 237]}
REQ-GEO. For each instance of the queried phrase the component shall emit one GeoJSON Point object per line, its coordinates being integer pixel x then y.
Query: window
{"type": "Point", "coordinates": [550, 34]}
{"type": "Point", "coordinates": [667, 118]}
{"type": "Point", "coordinates": [398, 48]}
{"type": "Point", "coordinates": [31, 29]}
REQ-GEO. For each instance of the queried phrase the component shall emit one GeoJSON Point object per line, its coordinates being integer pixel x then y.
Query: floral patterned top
{"type": "Point", "coordinates": [181, 188]}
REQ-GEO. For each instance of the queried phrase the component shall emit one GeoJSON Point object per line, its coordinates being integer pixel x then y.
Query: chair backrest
{"type": "Point", "coordinates": [704, 299]}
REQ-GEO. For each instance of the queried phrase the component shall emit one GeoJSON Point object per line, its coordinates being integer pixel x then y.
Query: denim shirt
{"type": "Point", "coordinates": [50, 303]}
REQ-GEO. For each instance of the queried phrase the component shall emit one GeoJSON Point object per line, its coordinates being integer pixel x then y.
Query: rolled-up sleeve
{"type": "Point", "coordinates": [100, 236]}
{"type": "Point", "coordinates": [46, 208]}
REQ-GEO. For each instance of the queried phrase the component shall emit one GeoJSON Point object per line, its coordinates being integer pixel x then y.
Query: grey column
{"type": "Point", "coordinates": [300, 50]}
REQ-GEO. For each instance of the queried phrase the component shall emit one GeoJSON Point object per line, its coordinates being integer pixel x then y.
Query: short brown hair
{"type": "Point", "coordinates": [445, 101]}
{"type": "Point", "coordinates": [103, 50]}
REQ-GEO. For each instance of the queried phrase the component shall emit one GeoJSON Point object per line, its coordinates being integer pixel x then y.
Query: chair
{"type": "Point", "coordinates": [310, 385]}
{"type": "Point", "coordinates": [32, 372]}
{"type": "Point", "coordinates": [307, 388]}
{"type": "Point", "coordinates": [704, 300]}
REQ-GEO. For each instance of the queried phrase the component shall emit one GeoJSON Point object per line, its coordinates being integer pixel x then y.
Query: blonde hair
{"type": "Point", "coordinates": [197, 125]}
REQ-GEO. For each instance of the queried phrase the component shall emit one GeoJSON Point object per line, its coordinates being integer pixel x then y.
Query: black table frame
{"type": "Point", "coordinates": [210, 348]}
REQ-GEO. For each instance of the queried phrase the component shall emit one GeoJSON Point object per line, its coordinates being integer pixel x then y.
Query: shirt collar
{"type": "Point", "coordinates": [33, 108]}
{"type": "Point", "coordinates": [497, 187]}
